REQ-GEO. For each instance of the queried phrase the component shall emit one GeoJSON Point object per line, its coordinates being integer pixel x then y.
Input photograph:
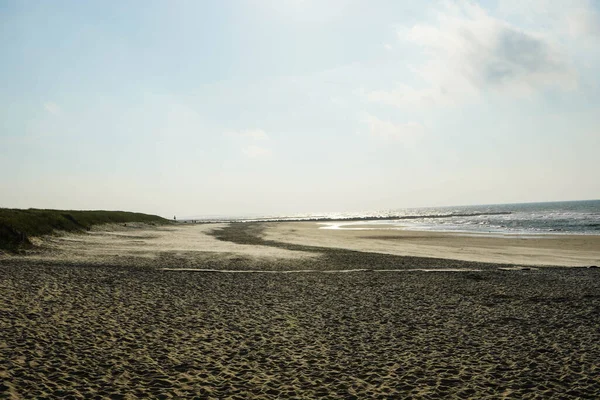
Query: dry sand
{"type": "Point", "coordinates": [121, 327]}
{"type": "Point", "coordinates": [561, 250]}
{"type": "Point", "coordinates": [143, 245]}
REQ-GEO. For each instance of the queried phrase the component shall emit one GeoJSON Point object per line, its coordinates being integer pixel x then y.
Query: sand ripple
{"type": "Point", "coordinates": [113, 332]}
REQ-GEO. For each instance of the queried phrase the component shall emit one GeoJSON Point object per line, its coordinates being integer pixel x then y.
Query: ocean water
{"type": "Point", "coordinates": [569, 217]}
{"type": "Point", "coordinates": [573, 217]}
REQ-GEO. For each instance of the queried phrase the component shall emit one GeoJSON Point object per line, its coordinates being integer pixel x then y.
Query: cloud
{"type": "Point", "coordinates": [577, 18]}
{"type": "Point", "coordinates": [254, 134]}
{"type": "Point", "coordinates": [583, 22]}
{"type": "Point", "coordinates": [468, 52]}
{"type": "Point", "coordinates": [249, 137]}
{"type": "Point", "coordinates": [404, 95]}
{"type": "Point", "coordinates": [52, 108]}
{"type": "Point", "coordinates": [251, 134]}
{"type": "Point", "coordinates": [408, 132]}
{"type": "Point", "coordinates": [254, 151]}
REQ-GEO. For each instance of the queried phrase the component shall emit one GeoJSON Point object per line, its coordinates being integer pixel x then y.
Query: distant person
{"type": "Point", "coordinates": [174, 218]}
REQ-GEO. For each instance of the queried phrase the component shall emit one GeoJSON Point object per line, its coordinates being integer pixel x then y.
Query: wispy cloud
{"type": "Point", "coordinates": [52, 108]}
{"type": "Point", "coordinates": [584, 22]}
{"type": "Point", "coordinates": [254, 151]}
{"type": "Point", "coordinates": [577, 18]}
{"type": "Point", "coordinates": [403, 95]}
{"type": "Point", "coordinates": [254, 134]}
{"type": "Point", "coordinates": [468, 52]}
{"type": "Point", "coordinates": [251, 134]}
{"type": "Point", "coordinates": [407, 133]}
{"type": "Point", "coordinates": [248, 139]}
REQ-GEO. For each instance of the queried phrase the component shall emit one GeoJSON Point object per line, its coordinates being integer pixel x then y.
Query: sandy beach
{"type": "Point", "coordinates": [557, 250]}
{"type": "Point", "coordinates": [121, 313]}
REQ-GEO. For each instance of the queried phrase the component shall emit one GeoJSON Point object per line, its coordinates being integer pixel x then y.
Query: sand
{"type": "Point", "coordinates": [124, 329]}
{"type": "Point", "coordinates": [557, 250]}
{"type": "Point", "coordinates": [142, 245]}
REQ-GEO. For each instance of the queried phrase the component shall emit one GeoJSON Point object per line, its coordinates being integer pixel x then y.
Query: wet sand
{"type": "Point", "coordinates": [557, 250]}
{"type": "Point", "coordinates": [79, 320]}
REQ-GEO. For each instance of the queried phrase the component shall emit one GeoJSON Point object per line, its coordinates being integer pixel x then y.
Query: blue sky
{"type": "Point", "coordinates": [239, 107]}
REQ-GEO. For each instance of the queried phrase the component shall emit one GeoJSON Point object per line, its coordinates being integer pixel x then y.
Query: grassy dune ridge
{"type": "Point", "coordinates": [17, 226]}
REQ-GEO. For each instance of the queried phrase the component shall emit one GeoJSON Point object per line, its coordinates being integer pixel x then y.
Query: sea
{"type": "Point", "coordinates": [565, 217]}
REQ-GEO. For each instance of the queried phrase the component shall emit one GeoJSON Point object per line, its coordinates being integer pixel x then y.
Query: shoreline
{"type": "Point", "coordinates": [521, 235]}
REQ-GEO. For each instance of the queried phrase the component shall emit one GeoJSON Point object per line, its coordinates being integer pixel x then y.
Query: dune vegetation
{"type": "Point", "coordinates": [17, 226]}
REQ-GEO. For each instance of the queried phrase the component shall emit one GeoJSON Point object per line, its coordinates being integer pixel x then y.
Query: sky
{"type": "Point", "coordinates": [244, 107]}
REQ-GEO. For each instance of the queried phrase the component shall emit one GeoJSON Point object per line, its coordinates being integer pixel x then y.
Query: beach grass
{"type": "Point", "coordinates": [17, 225]}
